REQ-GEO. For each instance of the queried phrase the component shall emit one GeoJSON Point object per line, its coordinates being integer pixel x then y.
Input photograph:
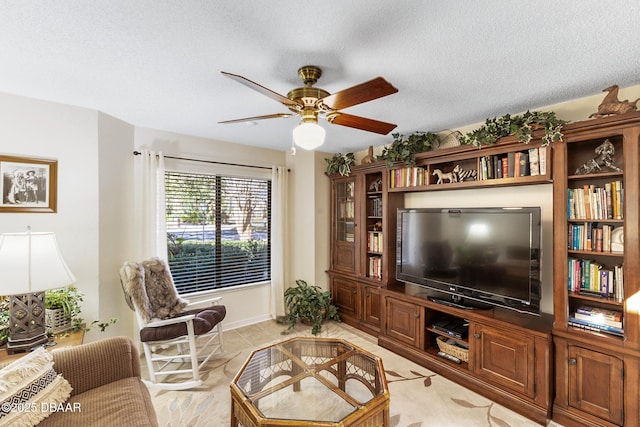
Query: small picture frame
{"type": "Point", "coordinates": [28, 184]}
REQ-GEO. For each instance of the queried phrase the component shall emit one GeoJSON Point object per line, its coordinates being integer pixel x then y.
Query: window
{"type": "Point", "coordinates": [218, 230]}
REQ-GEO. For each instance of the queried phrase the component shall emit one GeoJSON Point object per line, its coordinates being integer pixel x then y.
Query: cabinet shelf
{"type": "Point", "coordinates": [590, 298]}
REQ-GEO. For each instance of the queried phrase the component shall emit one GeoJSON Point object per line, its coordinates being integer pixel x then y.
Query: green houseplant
{"type": "Point", "coordinates": [340, 163]}
{"type": "Point", "coordinates": [308, 304]}
{"type": "Point", "coordinates": [63, 311]}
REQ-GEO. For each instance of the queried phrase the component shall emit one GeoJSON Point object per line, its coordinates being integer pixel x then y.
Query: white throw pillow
{"type": "Point", "coordinates": [29, 387]}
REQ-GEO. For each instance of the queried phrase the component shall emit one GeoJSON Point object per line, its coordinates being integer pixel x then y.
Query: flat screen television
{"type": "Point", "coordinates": [473, 257]}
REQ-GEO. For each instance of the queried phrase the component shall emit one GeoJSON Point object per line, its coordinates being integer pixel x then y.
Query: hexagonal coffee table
{"type": "Point", "coordinates": [310, 382]}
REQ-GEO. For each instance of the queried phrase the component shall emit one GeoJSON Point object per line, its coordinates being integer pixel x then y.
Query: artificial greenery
{"type": "Point", "coordinates": [405, 149]}
{"type": "Point", "coordinates": [308, 304]}
{"type": "Point", "coordinates": [522, 126]}
{"type": "Point", "coordinates": [340, 163]}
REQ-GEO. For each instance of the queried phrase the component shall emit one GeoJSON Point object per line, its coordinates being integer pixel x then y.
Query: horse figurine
{"type": "Point", "coordinates": [442, 176]}
{"type": "Point", "coordinates": [610, 105]}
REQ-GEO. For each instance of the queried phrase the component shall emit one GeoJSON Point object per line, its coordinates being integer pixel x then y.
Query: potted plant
{"type": "Point", "coordinates": [308, 304]}
{"type": "Point", "coordinates": [4, 319]}
{"type": "Point", "coordinates": [63, 311]}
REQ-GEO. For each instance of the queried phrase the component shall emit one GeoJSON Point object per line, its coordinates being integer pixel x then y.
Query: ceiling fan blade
{"type": "Point", "coordinates": [259, 88]}
{"type": "Point", "coordinates": [361, 123]}
{"type": "Point", "coordinates": [269, 116]}
{"type": "Point", "coordinates": [364, 92]}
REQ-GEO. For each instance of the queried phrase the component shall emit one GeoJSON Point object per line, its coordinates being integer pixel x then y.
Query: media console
{"type": "Point", "coordinates": [509, 354]}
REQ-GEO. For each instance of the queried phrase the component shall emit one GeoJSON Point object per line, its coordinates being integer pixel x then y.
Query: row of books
{"type": "Point", "coordinates": [531, 162]}
{"type": "Point", "coordinates": [347, 209]}
{"type": "Point", "coordinates": [407, 177]}
{"type": "Point", "coordinates": [376, 206]}
{"type": "Point", "coordinates": [375, 241]}
{"type": "Point", "coordinates": [587, 325]}
{"type": "Point", "coordinates": [590, 237]}
{"type": "Point", "coordinates": [591, 202]}
{"type": "Point", "coordinates": [375, 267]}
{"type": "Point", "coordinates": [599, 315]}
{"type": "Point", "coordinates": [590, 277]}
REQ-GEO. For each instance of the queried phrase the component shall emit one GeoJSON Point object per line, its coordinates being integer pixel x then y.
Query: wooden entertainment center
{"type": "Point", "coordinates": [545, 366]}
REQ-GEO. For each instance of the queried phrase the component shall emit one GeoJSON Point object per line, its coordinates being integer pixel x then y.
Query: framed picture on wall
{"type": "Point", "coordinates": [28, 184]}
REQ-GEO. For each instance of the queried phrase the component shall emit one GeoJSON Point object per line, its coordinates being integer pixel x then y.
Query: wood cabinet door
{"type": "Point", "coordinates": [345, 296]}
{"type": "Point", "coordinates": [595, 383]}
{"type": "Point", "coordinates": [404, 321]}
{"type": "Point", "coordinates": [371, 305]}
{"type": "Point", "coordinates": [504, 358]}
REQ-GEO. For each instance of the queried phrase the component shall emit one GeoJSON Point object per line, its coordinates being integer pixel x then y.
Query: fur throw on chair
{"type": "Point", "coordinates": [149, 285]}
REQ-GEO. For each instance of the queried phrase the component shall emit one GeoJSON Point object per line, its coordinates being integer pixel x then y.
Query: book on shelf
{"type": "Point", "coordinates": [375, 267]}
{"type": "Point", "coordinates": [542, 160]}
{"type": "Point", "coordinates": [590, 236]}
{"type": "Point", "coordinates": [587, 325]}
{"type": "Point", "coordinates": [591, 278]}
{"type": "Point", "coordinates": [511, 163]}
{"type": "Point", "coordinates": [591, 202]}
{"type": "Point", "coordinates": [534, 162]}
{"type": "Point", "coordinates": [407, 177]}
{"type": "Point", "coordinates": [599, 315]}
{"type": "Point", "coordinates": [376, 206]}
{"type": "Point", "coordinates": [375, 241]}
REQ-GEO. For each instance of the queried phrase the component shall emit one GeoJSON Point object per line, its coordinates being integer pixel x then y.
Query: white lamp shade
{"type": "Point", "coordinates": [31, 262]}
{"type": "Point", "coordinates": [309, 135]}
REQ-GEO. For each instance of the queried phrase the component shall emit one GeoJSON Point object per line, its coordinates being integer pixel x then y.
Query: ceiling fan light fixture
{"type": "Point", "coordinates": [309, 135]}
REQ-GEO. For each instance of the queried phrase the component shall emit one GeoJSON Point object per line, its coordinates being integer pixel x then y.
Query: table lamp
{"type": "Point", "coordinates": [30, 264]}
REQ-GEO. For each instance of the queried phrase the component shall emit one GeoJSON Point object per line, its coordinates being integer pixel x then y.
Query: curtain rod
{"type": "Point", "coordinates": [137, 153]}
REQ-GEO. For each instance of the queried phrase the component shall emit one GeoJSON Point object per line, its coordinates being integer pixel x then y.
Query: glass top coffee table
{"type": "Point", "coordinates": [310, 382]}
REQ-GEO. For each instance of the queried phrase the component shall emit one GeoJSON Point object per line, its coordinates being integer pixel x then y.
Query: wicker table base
{"type": "Point", "coordinates": [310, 382]}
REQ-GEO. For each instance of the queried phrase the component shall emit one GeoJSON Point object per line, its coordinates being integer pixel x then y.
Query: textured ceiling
{"type": "Point", "coordinates": [156, 63]}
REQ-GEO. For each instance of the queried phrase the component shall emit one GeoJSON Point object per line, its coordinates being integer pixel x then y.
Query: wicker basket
{"type": "Point", "coordinates": [453, 350]}
{"type": "Point", "coordinates": [56, 321]}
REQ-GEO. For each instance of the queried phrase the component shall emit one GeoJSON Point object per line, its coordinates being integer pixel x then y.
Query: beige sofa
{"type": "Point", "coordinates": [107, 389]}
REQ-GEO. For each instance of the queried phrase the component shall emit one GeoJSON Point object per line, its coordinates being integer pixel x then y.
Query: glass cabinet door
{"type": "Point", "coordinates": [345, 211]}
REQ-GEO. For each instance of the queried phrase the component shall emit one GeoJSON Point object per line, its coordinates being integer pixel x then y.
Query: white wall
{"type": "Point", "coordinates": [309, 218]}
{"type": "Point", "coordinates": [115, 227]}
{"type": "Point", "coordinates": [43, 129]}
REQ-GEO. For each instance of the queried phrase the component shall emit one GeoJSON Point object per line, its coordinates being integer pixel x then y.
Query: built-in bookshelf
{"type": "Point", "coordinates": [507, 163]}
{"type": "Point", "coordinates": [374, 222]}
{"type": "Point", "coordinates": [596, 272]}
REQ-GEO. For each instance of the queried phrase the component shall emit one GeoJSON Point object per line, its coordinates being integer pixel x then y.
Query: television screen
{"type": "Point", "coordinates": [473, 255]}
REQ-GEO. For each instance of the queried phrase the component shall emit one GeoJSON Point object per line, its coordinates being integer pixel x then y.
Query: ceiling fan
{"type": "Point", "coordinates": [309, 102]}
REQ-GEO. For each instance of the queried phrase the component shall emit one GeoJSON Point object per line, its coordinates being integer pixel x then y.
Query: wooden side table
{"type": "Point", "coordinates": [62, 339]}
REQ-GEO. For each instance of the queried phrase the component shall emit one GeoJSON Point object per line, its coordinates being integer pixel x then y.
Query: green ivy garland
{"type": "Point", "coordinates": [405, 148]}
{"type": "Point", "coordinates": [340, 163]}
{"type": "Point", "coordinates": [522, 126]}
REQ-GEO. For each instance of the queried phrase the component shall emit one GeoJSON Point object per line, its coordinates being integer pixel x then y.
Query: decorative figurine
{"type": "Point", "coordinates": [442, 176]}
{"type": "Point", "coordinates": [603, 159]}
{"type": "Point", "coordinates": [376, 185]}
{"type": "Point", "coordinates": [610, 104]}
{"type": "Point", "coordinates": [369, 158]}
{"type": "Point", "coordinates": [462, 175]}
